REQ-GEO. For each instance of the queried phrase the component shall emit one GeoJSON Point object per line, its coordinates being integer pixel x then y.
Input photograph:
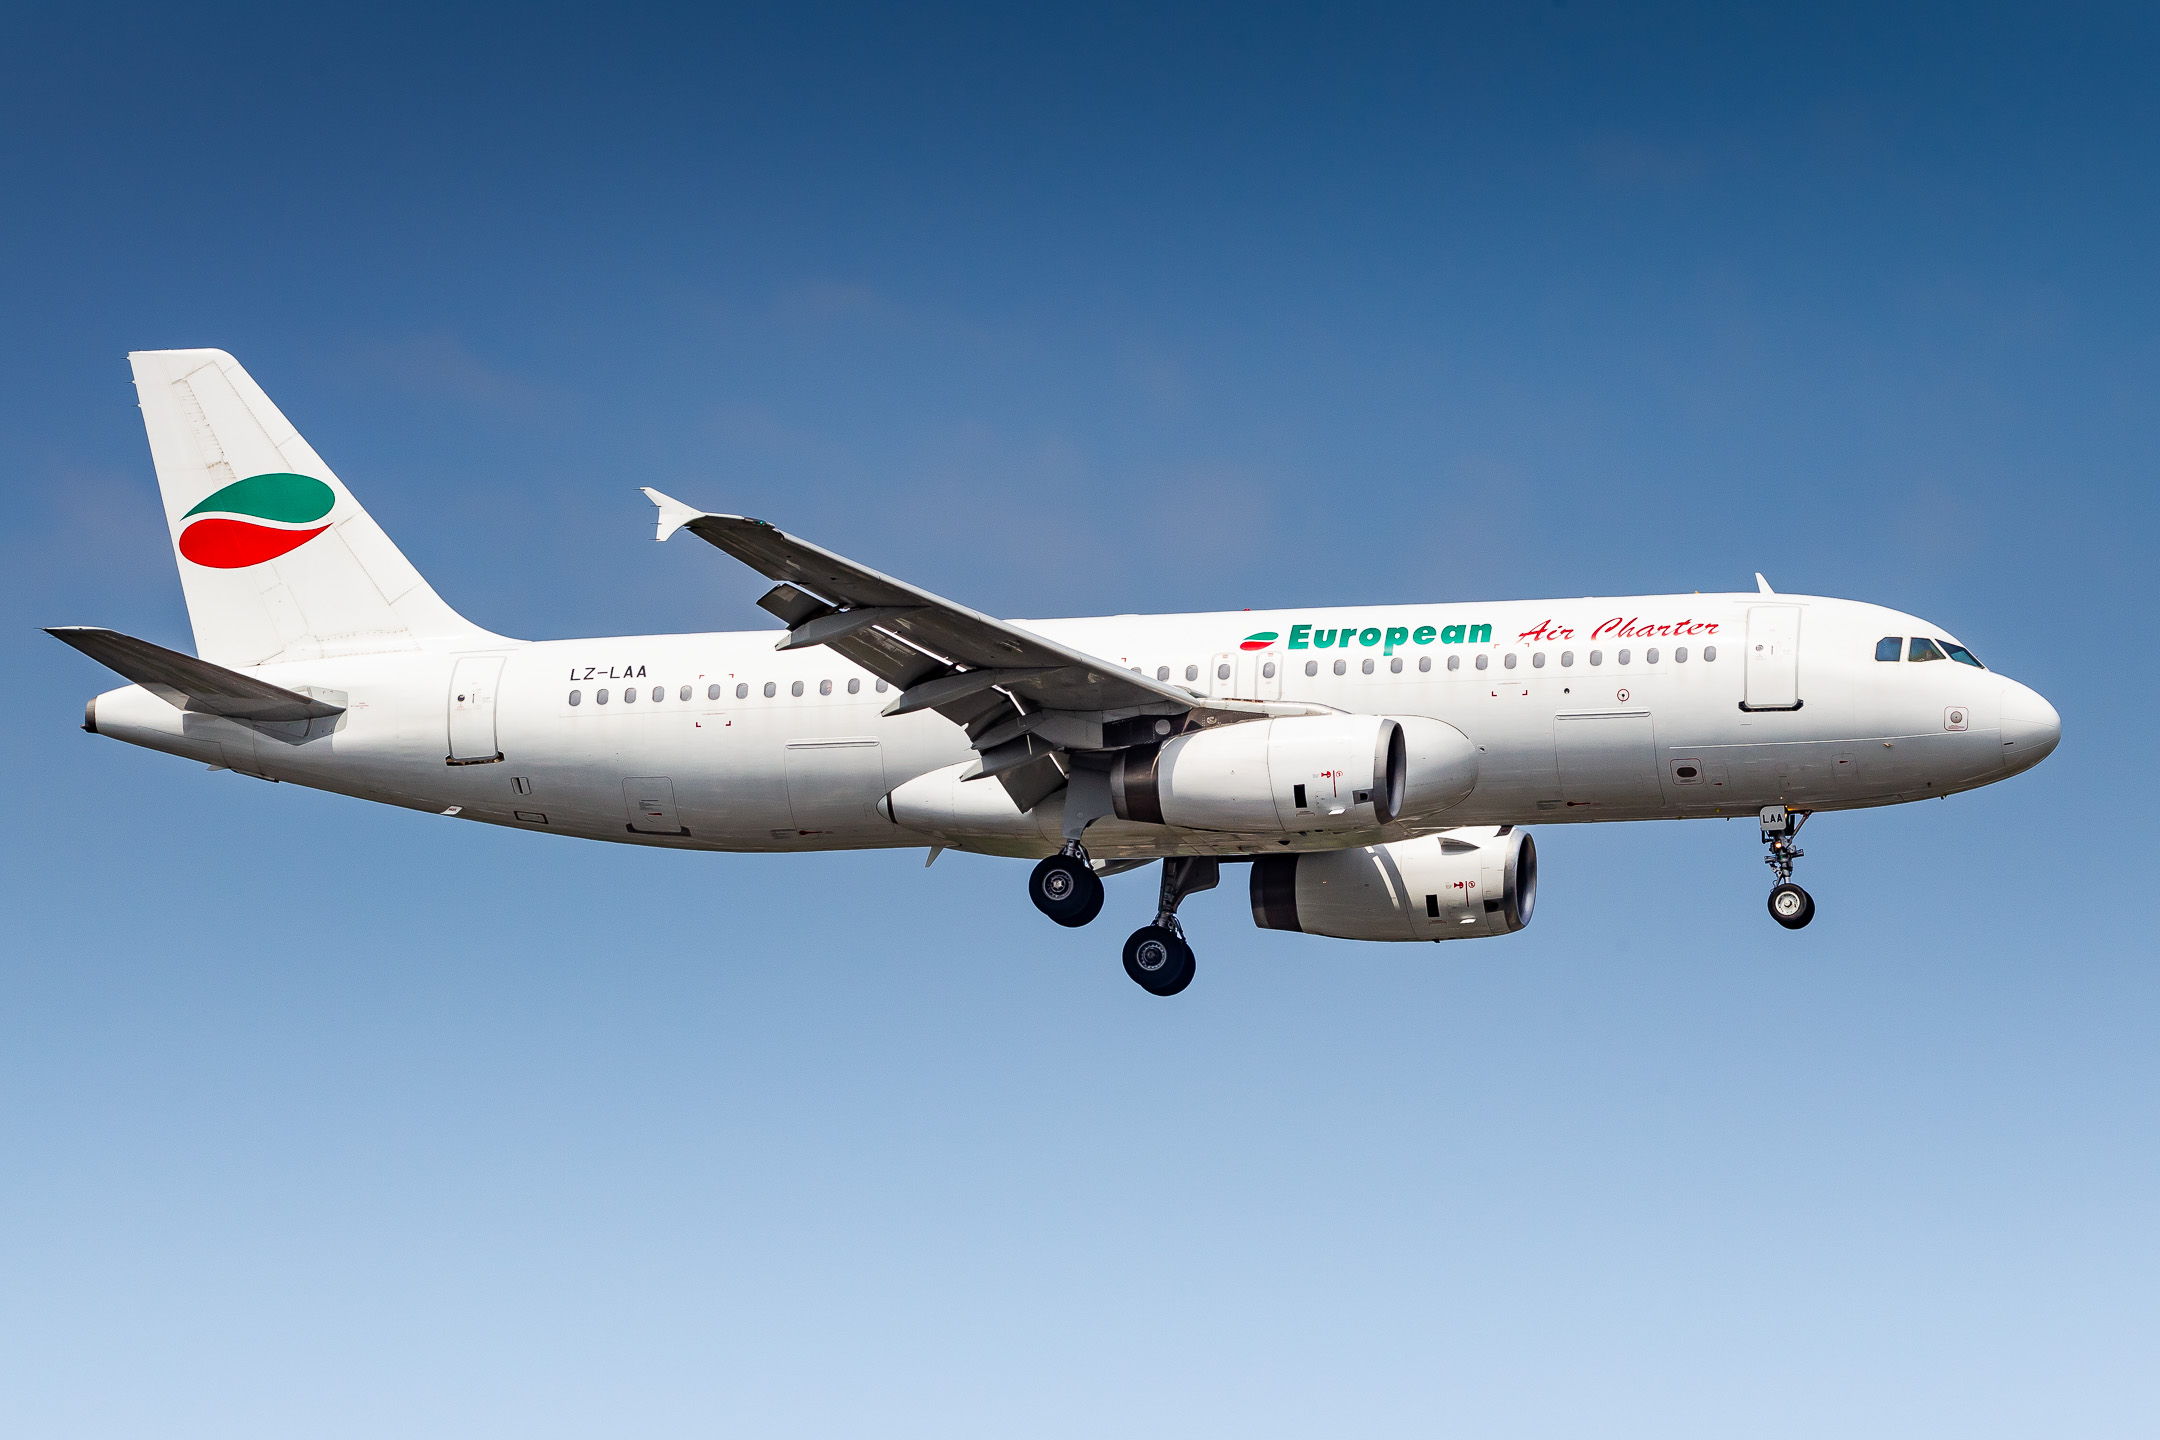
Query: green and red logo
{"type": "Point", "coordinates": [256, 519]}
{"type": "Point", "coordinates": [1258, 640]}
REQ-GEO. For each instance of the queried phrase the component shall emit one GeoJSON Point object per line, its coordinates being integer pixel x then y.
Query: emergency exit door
{"type": "Point", "coordinates": [1245, 675]}
{"type": "Point", "coordinates": [472, 710]}
{"type": "Point", "coordinates": [1773, 658]}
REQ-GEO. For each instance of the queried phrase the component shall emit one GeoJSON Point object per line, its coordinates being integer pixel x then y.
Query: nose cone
{"type": "Point", "coordinates": [2030, 727]}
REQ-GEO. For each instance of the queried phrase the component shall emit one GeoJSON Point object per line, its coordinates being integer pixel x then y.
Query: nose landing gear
{"type": "Point", "coordinates": [1156, 956]}
{"type": "Point", "coordinates": [1791, 906]}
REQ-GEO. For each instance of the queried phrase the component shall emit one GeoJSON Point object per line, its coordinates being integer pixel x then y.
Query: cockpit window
{"type": "Point", "coordinates": [1887, 648]}
{"type": "Point", "coordinates": [1963, 656]}
{"type": "Point", "coordinates": [1922, 648]}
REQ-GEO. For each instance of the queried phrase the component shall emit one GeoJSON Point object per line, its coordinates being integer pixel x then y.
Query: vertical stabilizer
{"type": "Point", "coordinates": [277, 560]}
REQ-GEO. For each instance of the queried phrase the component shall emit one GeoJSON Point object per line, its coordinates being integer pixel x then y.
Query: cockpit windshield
{"type": "Point", "coordinates": [1963, 656]}
{"type": "Point", "coordinates": [1922, 648]}
{"type": "Point", "coordinates": [1889, 647]}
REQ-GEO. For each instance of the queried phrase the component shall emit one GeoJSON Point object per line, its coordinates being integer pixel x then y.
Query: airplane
{"type": "Point", "coordinates": [1375, 766]}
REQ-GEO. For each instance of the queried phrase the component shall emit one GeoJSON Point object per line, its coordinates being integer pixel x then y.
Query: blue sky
{"type": "Point", "coordinates": [331, 1120]}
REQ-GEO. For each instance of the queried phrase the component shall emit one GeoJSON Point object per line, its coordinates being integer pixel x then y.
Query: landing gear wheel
{"type": "Point", "coordinates": [1066, 890]}
{"type": "Point", "coordinates": [1791, 906]}
{"type": "Point", "coordinates": [1159, 960]}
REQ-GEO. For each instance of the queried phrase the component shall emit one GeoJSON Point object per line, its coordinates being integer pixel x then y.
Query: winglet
{"type": "Point", "coordinates": [673, 513]}
{"type": "Point", "coordinates": [1762, 586]}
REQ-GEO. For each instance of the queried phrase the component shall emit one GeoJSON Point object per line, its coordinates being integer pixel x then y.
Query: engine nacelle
{"type": "Point", "coordinates": [1293, 773]}
{"type": "Point", "coordinates": [1456, 885]}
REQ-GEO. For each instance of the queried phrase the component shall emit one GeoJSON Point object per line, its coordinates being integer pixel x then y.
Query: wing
{"type": "Point", "coordinates": [1028, 703]}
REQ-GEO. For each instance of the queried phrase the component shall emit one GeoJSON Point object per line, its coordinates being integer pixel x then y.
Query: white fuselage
{"type": "Point", "coordinates": [1582, 710]}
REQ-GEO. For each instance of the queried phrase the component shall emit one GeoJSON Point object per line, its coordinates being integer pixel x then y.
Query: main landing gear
{"type": "Point", "coordinates": [1066, 888]}
{"type": "Point", "coordinates": [1791, 906]}
{"type": "Point", "coordinates": [1156, 956]}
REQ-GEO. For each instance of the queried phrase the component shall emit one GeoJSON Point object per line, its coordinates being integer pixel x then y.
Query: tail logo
{"type": "Point", "coordinates": [256, 519]}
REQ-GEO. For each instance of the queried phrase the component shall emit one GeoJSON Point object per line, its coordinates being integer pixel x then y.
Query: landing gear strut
{"type": "Point", "coordinates": [1791, 906]}
{"type": "Point", "coordinates": [1156, 956]}
{"type": "Point", "coordinates": [1066, 888]}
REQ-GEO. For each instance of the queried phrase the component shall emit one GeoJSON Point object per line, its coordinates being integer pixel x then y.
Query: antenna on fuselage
{"type": "Point", "coordinates": [1762, 586]}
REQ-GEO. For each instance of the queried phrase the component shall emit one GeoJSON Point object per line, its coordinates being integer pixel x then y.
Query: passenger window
{"type": "Point", "coordinates": [1483, 661]}
{"type": "Point", "coordinates": [1312, 667]}
{"type": "Point", "coordinates": [1887, 648]}
{"type": "Point", "coordinates": [1963, 656]}
{"type": "Point", "coordinates": [1342, 667]}
{"type": "Point", "coordinates": [685, 693]}
{"type": "Point", "coordinates": [824, 687]}
{"type": "Point", "coordinates": [659, 692]}
{"type": "Point", "coordinates": [795, 689]}
{"type": "Point", "coordinates": [742, 691]}
{"type": "Point", "coordinates": [1510, 661]}
{"type": "Point", "coordinates": [712, 692]}
{"type": "Point", "coordinates": [771, 689]}
{"type": "Point", "coordinates": [1162, 672]}
{"type": "Point", "coordinates": [1192, 672]}
{"type": "Point", "coordinates": [1650, 656]}
{"type": "Point", "coordinates": [1922, 648]}
{"type": "Point", "coordinates": [1222, 672]}
{"type": "Point", "coordinates": [1366, 667]}
{"type": "Point", "coordinates": [881, 687]}
{"type": "Point", "coordinates": [854, 687]}
{"type": "Point", "coordinates": [1267, 671]}
{"type": "Point", "coordinates": [576, 698]}
{"type": "Point", "coordinates": [1622, 657]}
{"type": "Point", "coordinates": [1454, 662]}
{"type": "Point", "coordinates": [1395, 665]}
{"type": "Point", "coordinates": [629, 694]}
{"type": "Point", "coordinates": [1567, 658]}
{"type": "Point", "coordinates": [1709, 653]}
{"type": "Point", "coordinates": [1537, 661]}
{"type": "Point", "coordinates": [1597, 657]}
{"type": "Point", "coordinates": [1424, 664]}
{"type": "Point", "coordinates": [599, 697]}
{"type": "Point", "coordinates": [1679, 655]}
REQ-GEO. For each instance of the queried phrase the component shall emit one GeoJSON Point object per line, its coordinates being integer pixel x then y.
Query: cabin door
{"type": "Point", "coordinates": [1773, 657]}
{"type": "Point", "coordinates": [472, 710]}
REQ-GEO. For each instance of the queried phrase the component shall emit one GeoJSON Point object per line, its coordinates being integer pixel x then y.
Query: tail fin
{"type": "Point", "coordinates": [277, 560]}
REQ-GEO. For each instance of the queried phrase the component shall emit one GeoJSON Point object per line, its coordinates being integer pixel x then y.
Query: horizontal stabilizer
{"type": "Point", "coordinates": [191, 684]}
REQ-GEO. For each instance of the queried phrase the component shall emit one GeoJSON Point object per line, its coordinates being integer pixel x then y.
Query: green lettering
{"type": "Point", "coordinates": [1322, 639]}
{"type": "Point", "coordinates": [1297, 636]}
{"type": "Point", "coordinates": [1481, 634]}
{"type": "Point", "coordinates": [1370, 635]}
{"type": "Point", "coordinates": [1396, 635]}
{"type": "Point", "coordinates": [1452, 635]}
{"type": "Point", "coordinates": [1424, 635]}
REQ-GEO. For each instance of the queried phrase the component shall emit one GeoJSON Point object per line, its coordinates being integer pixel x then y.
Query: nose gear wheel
{"type": "Point", "coordinates": [1791, 906]}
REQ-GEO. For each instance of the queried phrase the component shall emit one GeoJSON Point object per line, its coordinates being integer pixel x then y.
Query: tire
{"type": "Point", "coordinates": [1158, 961]}
{"type": "Point", "coordinates": [1066, 890]}
{"type": "Point", "coordinates": [1791, 906]}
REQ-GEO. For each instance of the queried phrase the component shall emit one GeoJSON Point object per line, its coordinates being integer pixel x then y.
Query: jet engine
{"type": "Point", "coordinates": [1456, 885]}
{"type": "Point", "coordinates": [1297, 773]}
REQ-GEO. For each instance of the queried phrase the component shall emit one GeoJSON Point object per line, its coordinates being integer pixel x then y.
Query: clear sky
{"type": "Point", "coordinates": [330, 1120]}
